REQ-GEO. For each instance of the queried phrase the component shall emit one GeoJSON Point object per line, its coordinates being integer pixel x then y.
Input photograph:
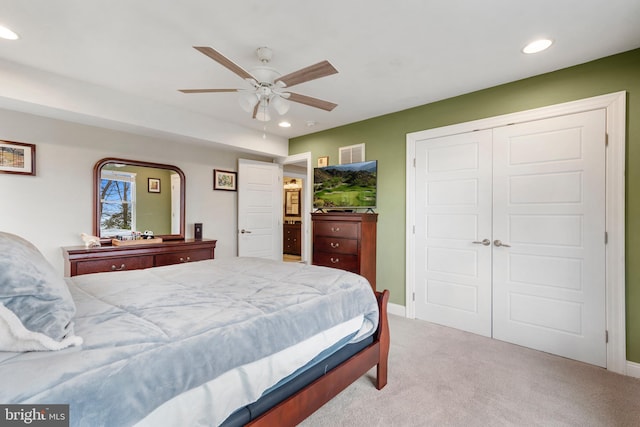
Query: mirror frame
{"type": "Point", "coordinates": [97, 169]}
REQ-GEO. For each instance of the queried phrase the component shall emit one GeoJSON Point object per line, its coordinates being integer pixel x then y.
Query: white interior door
{"type": "Point", "coordinates": [549, 207]}
{"type": "Point", "coordinates": [453, 231]}
{"type": "Point", "coordinates": [259, 209]}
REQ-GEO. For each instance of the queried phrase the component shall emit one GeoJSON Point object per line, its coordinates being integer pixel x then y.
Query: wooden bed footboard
{"type": "Point", "coordinates": [306, 401]}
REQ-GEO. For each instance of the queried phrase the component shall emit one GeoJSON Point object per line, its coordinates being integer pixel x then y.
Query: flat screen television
{"type": "Point", "coordinates": [344, 187]}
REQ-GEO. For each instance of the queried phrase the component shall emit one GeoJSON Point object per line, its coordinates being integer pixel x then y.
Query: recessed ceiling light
{"type": "Point", "coordinates": [284, 124]}
{"type": "Point", "coordinates": [537, 46]}
{"type": "Point", "coordinates": [6, 33]}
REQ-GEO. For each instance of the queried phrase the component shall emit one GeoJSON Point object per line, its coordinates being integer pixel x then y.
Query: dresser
{"type": "Point", "coordinates": [291, 236]}
{"type": "Point", "coordinates": [80, 260]}
{"type": "Point", "coordinates": [346, 241]}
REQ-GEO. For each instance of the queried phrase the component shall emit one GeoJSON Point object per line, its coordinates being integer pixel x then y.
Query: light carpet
{"type": "Point", "coordinates": [440, 376]}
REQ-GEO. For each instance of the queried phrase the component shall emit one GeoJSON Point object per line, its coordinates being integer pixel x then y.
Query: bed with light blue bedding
{"type": "Point", "coordinates": [195, 340]}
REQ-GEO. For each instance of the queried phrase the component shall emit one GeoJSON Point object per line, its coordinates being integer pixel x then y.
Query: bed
{"type": "Point", "coordinates": [238, 341]}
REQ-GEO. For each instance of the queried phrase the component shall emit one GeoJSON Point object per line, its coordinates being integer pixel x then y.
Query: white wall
{"type": "Point", "coordinates": [54, 207]}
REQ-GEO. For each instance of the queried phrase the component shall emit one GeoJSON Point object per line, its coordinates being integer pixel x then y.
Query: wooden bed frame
{"type": "Point", "coordinates": [306, 401]}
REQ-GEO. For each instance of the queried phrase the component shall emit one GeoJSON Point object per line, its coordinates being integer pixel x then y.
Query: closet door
{"type": "Point", "coordinates": [549, 235]}
{"type": "Point", "coordinates": [453, 218]}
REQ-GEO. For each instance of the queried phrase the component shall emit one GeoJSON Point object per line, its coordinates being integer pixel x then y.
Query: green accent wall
{"type": "Point", "coordinates": [385, 139]}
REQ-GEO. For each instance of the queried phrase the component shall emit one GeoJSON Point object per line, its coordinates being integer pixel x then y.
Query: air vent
{"type": "Point", "coordinates": [351, 154]}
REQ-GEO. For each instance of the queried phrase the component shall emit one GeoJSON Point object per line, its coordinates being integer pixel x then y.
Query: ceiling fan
{"type": "Point", "coordinates": [268, 87]}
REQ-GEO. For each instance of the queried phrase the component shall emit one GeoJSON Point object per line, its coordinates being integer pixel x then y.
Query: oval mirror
{"type": "Point", "coordinates": [132, 195]}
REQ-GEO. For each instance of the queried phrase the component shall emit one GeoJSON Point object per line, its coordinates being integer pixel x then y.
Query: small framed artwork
{"type": "Point", "coordinates": [323, 161]}
{"type": "Point", "coordinates": [17, 157]}
{"type": "Point", "coordinates": [154, 185]}
{"type": "Point", "coordinates": [224, 180]}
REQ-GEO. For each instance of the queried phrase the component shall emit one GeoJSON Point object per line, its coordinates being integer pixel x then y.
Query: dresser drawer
{"type": "Point", "coordinates": [114, 264]}
{"type": "Point", "coordinates": [341, 261]}
{"type": "Point", "coordinates": [184, 256]}
{"type": "Point", "coordinates": [338, 229]}
{"type": "Point", "coordinates": [335, 245]}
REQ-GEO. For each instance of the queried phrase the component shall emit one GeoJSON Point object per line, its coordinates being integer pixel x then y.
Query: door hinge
{"type": "Point", "coordinates": [606, 139]}
{"type": "Point", "coordinates": [606, 337]}
{"type": "Point", "coordinates": [606, 237]}
{"type": "Point", "coordinates": [413, 296]}
{"type": "Point", "coordinates": [414, 162]}
{"type": "Point", "coordinates": [414, 229]}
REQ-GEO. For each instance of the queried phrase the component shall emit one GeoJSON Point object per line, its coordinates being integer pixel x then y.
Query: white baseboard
{"type": "Point", "coordinates": [398, 310]}
{"type": "Point", "coordinates": [633, 369]}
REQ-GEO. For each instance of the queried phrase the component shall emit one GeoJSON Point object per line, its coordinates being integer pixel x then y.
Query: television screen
{"type": "Point", "coordinates": [352, 186]}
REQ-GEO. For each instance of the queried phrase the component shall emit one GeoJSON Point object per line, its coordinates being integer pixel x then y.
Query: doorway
{"type": "Point", "coordinates": [293, 190]}
{"type": "Point", "coordinates": [297, 168]}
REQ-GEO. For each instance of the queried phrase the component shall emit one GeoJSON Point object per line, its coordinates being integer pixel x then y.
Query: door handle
{"type": "Point", "coordinates": [243, 231]}
{"type": "Point", "coordinates": [484, 242]}
{"type": "Point", "coordinates": [498, 243]}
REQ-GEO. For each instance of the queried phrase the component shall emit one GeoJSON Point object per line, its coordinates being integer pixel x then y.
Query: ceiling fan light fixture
{"type": "Point", "coordinates": [248, 101]}
{"type": "Point", "coordinates": [262, 115]}
{"type": "Point", "coordinates": [281, 105]}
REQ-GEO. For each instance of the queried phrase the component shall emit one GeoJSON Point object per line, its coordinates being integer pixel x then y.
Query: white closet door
{"type": "Point", "coordinates": [549, 206]}
{"type": "Point", "coordinates": [453, 210]}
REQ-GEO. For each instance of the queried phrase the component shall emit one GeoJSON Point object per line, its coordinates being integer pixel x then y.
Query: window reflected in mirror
{"type": "Point", "coordinates": [139, 196]}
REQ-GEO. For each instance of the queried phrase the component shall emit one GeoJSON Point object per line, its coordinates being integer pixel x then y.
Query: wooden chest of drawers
{"type": "Point", "coordinates": [346, 241]}
{"type": "Point", "coordinates": [80, 260]}
{"type": "Point", "coordinates": [291, 236]}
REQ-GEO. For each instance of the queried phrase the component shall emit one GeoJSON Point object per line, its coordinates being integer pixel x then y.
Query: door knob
{"type": "Point", "coordinates": [498, 243]}
{"type": "Point", "coordinates": [484, 242]}
{"type": "Point", "coordinates": [243, 231]}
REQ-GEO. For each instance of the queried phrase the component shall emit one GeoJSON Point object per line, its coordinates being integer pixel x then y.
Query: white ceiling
{"type": "Point", "coordinates": [391, 55]}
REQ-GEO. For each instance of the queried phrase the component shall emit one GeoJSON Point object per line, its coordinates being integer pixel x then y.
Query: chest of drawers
{"type": "Point", "coordinates": [291, 236]}
{"type": "Point", "coordinates": [80, 260]}
{"type": "Point", "coordinates": [346, 241]}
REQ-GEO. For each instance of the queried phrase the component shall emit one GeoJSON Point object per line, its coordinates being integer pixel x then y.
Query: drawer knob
{"type": "Point", "coordinates": [185, 260]}
{"type": "Point", "coordinates": [335, 229]}
{"type": "Point", "coordinates": [334, 245]}
{"type": "Point", "coordinates": [114, 268]}
{"type": "Point", "coordinates": [335, 260]}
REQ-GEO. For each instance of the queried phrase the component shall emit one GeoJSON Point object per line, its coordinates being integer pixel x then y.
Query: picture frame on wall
{"type": "Point", "coordinates": [224, 180]}
{"type": "Point", "coordinates": [17, 158]}
{"type": "Point", "coordinates": [323, 161]}
{"type": "Point", "coordinates": [153, 185]}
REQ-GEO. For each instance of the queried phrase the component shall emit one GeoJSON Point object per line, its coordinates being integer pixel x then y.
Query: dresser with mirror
{"type": "Point", "coordinates": [132, 196]}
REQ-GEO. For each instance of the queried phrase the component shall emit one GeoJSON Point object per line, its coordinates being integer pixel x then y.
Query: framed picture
{"type": "Point", "coordinates": [17, 157]}
{"type": "Point", "coordinates": [323, 161]}
{"type": "Point", "coordinates": [224, 180]}
{"type": "Point", "coordinates": [154, 185]}
{"type": "Point", "coordinates": [292, 203]}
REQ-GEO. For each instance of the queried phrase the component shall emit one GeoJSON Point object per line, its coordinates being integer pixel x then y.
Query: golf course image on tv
{"type": "Point", "coordinates": [353, 185]}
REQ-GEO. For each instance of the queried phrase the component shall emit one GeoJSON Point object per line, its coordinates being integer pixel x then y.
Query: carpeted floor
{"type": "Point", "coordinates": [440, 376]}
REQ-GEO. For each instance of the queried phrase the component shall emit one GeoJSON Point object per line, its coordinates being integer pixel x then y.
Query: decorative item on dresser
{"type": "Point", "coordinates": [346, 241]}
{"type": "Point", "coordinates": [292, 233]}
{"type": "Point", "coordinates": [80, 260]}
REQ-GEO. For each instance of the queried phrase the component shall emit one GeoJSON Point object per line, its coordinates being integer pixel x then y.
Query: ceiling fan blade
{"type": "Point", "coordinates": [207, 90]}
{"type": "Point", "coordinates": [224, 61]}
{"type": "Point", "coordinates": [312, 102]}
{"type": "Point", "coordinates": [255, 110]}
{"type": "Point", "coordinates": [312, 72]}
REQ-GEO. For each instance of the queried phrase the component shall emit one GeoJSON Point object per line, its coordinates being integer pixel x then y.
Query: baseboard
{"type": "Point", "coordinates": [398, 310]}
{"type": "Point", "coordinates": [633, 369]}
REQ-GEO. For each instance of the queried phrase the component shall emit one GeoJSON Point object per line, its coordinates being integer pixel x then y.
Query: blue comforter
{"type": "Point", "coordinates": [150, 335]}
